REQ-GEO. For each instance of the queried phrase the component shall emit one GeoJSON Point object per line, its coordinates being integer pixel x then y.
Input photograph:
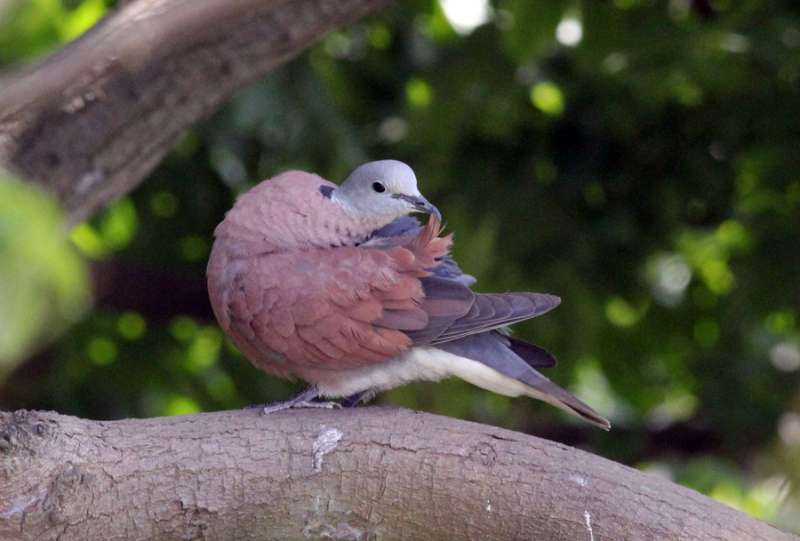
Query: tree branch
{"type": "Point", "coordinates": [93, 120]}
{"type": "Point", "coordinates": [371, 473]}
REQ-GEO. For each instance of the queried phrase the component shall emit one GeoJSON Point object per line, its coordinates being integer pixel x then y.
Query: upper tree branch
{"type": "Point", "coordinates": [373, 473]}
{"type": "Point", "coordinates": [90, 122]}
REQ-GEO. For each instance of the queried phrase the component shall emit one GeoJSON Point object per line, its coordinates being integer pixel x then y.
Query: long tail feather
{"type": "Point", "coordinates": [514, 375]}
{"type": "Point", "coordinates": [546, 390]}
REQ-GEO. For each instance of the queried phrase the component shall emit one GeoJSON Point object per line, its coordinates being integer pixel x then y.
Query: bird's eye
{"type": "Point", "coordinates": [378, 187]}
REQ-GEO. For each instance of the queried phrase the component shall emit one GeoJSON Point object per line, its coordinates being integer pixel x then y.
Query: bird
{"type": "Point", "coordinates": [343, 287]}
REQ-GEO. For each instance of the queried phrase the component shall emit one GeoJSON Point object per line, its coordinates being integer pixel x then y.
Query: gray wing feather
{"type": "Point", "coordinates": [400, 227]}
{"type": "Point", "coordinates": [456, 311]}
{"type": "Point", "coordinates": [449, 269]}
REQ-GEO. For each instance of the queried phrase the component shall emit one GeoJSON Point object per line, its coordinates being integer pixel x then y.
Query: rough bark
{"type": "Point", "coordinates": [92, 121]}
{"type": "Point", "coordinates": [372, 473]}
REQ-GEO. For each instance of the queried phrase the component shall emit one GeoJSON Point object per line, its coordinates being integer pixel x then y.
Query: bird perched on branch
{"type": "Point", "coordinates": [340, 287]}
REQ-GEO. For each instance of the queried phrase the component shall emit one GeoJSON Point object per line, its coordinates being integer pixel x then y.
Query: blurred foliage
{"type": "Point", "coordinates": [35, 26]}
{"type": "Point", "coordinates": [638, 158]}
{"type": "Point", "coordinates": [43, 281]}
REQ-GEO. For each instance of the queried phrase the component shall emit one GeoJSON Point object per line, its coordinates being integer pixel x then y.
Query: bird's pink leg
{"type": "Point", "coordinates": [303, 400]}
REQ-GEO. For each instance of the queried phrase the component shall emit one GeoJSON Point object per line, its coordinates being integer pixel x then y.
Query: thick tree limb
{"type": "Point", "coordinates": [372, 473]}
{"type": "Point", "coordinates": [93, 120]}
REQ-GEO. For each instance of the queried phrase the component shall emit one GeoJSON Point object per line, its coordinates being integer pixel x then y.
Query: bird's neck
{"type": "Point", "coordinates": [361, 223]}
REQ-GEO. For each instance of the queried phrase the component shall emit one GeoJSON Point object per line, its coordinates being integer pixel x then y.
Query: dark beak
{"type": "Point", "coordinates": [420, 204]}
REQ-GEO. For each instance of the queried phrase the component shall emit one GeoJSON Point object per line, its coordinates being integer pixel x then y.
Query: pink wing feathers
{"type": "Point", "coordinates": [331, 308]}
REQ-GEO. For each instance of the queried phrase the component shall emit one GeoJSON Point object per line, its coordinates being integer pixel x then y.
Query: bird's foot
{"type": "Point", "coordinates": [290, 404]}
{"type": "Point", "coordinates": [306, 399]}
{"type": "Point", "coordinates": [359, 398]}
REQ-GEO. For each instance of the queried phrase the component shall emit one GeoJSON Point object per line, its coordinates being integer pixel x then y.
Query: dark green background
{"type": "Point", "coordinates": [649, 175]}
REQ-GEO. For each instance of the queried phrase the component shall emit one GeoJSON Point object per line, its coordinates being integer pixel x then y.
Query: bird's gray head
{"type": "Point", "coordinates": [382, 191]}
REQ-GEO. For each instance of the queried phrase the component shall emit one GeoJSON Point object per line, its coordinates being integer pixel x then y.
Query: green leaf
{"type": "Point", "coordinates": [43, 282]}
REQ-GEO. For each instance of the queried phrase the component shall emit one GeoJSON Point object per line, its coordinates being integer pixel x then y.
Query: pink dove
{"type": "Point", "coordinates": [339, 287]}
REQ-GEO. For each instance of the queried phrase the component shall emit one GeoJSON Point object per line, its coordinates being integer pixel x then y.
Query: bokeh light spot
{"type": "Point", "coordinates": [193, 248]}
{"type": "Point", "coordinates": [621, 313]}
{"type": "Point", "coordinates": [718, 276]}
{"type": "Point", "coordinates": [338, 45]}
{"type": "Point", "coordinates": [789, 428]}
{"type": "Point", "coordinates": [734, 43]}
{"type": "Point", "coordinates": [183, 328]}
{"type": "Point", "coordinates": [548, 98]}
{"type": "Point", "coordinates": [780, 321]}
{"type": "Point", "coordinates": [101, 350]}
{"type": "Point", "coordinates": [131, 325]}
{"type": "Point", "coordinates": [393, 129]}
{"type": "Point", "coordinates": [615, 62]}
{"type": "Point", "coordinates": [180, 405]}
{"type": "Point", "coordinates": [87, 240]}
{"type": "Point", "coordinates": [379, 36]}
{"type": "Point", "coordinates": [466, 15]}
{"type": "Point", "coordinates": [669, 276]}
{"type": "Point", "coordinates": [418, 93]}
{"type": "Point", "coordinates": [118, 226]}
{"type": "Point", "coordinates": [569, 32]}
{"type": "Point", "coordinates": [785, 356]}
{"type": "Point", "coordinates": [204, 349]}
{"type": "Point", "coordinates": [164, 204]}
{"type": "Point", "coordinates": [678, 405]}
